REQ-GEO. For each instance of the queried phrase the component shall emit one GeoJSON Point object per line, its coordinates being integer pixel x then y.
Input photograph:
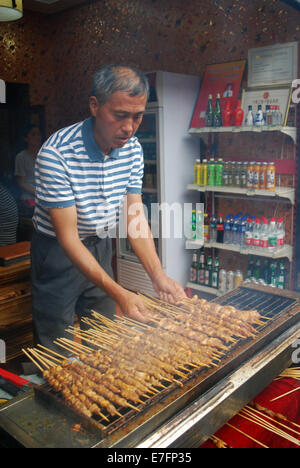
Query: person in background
{"type": "Point", "coordinates": [24, 168]}
{"type": "Point", "coordinates": [85, 173]}
{"type": "Point", "coordinates": [9, 217]}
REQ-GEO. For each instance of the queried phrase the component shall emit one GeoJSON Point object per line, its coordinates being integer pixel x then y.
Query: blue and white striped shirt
{"type": "Point", "coordinates": [71, 170]}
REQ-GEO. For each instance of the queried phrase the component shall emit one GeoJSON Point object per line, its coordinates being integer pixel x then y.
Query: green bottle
{"type": "Point", "coordinates": [281, 277]}
{"type": "Point", "coordinates": [215, 274]}
{"type": "Point", "coordinates": [217, 113]}
{"type": "Point", "coordinates": [209, 118]}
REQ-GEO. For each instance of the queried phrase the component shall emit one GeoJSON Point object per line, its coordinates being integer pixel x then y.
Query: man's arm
{"type": "Point", "coordinates": [24, 186]}
{"type": "Point", "coordinates": [141, 240]}
{"type": "Point", "coordinates": [64, 221]}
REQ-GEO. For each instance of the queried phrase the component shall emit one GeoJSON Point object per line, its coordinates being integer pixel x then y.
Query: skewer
{"type": "Point", "coordinates": [247, 435]}
{"type": "Point", "coordinates": [50, 350]}
{"type": "Point", "coordinates": [285, 394]}
{"type": "Point", "coordinates": [33, 360]}
{"type": "Point", "coordinates": [272, 419]}
{"type": "Point", "coordinates": [42, 360]}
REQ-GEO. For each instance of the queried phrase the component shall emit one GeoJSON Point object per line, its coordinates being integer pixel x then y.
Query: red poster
{"type": "Point", "coordinates": [225, 79]}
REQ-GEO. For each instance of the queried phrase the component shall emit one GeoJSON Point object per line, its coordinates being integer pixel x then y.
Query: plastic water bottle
{"type": "Point", "coordinates": [213, 228]}
{"type": "Point", "coordinates": [280, 234]}
{"type": "Point", "coordinates": [227, 230]}
{"type": "Point", "coordinates": [264, 234]}
{"type": "Point", "coordinates": [242, 230]}
{"type": "Point", "coordinates": [272, 235]}
{"type": "Point", "coordinates": [256, 234]}
{"type": "Point", "coordinates": [248, 240]}
{"type": "Point", "coordinates": [236, 230]}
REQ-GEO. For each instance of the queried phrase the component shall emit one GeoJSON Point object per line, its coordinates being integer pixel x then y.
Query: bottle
{"type": "Point", "coordinates": [242, 230]}
{"type": "Point", "coordinates": [264, 235]}
{"type": "Point", "coordinates": [206, 228]}
{"type": "Point", "coordinates": [259, 118]}
{"type": "Point", "coordinates": [204, 172]}
{"type": "Point", "coordinates": [243, 175]}
{"type": "Point", "coordinates": [230, 179]}
{"type": "Point", "coordinates": [235, 238]}
{"type": "Point", "coordinates": [280, 233]}
{"type": "Point", "coordinates": [249, 234]}
{"type": "Point", "coordinates": [227, 230]}
{"type": "Point", "coordinates": [194, 269]}
{"type": "Point", "coordinates": [279, 116]}
{"type": "Point", "coordinates": [209, 118]}
{"type": "Point", "coordinates": [211, 172]}
{"type": "Point", "coordinates": [238, 115]}
{"type": "Point", "coordinates": [197, 172]}
{"type": "Point", "coordinates": [215, 274]}
{"type": "Point", "coordinates": [266, 273]}
{"type": "Point", "coordinates": [250, 175]}
{"type": "Point", "coordinates": [263, 176]}
{"type": "Point", "coordinates": [199, 225]}
{"type": "Point", "coordinates": [250, 270]}
{"type": "Point", "coordinates": [268, 116]}
{"type": "Point", "coordinates": [225, 174]}
{"type": "Point", "coordinates": [227, 114]}
{"type": "Point", "coordinates": [256, 175]}
{"type": "Point", "coordinates": [257, 269]}
{"type": "Point", "coordinates": [217, 113]}
{"type": "Point", "coordinates": [237, 174]}
{"type": "Point", "coordinates": [233, 171]}
{"type": "Point", "coordinates": [271, 177]}
{"type": "Point", "coordinates": [281, 280]}
{"type": "Point", "coordinates": [193, 225]}
{"type": "Point", "coordinates": [220, 229]}
{"type": "Point", "coordinates": [213, 228]}
{"type": "Point", "coordinates": [273, 275]}
{"type": "Point", "coordinates": [201, 269]}
{"type": "Point", "coordinates": [272, 235]}
{"type": "Point", "coordinates": [249, 121]}
{"type": "Point", "coordinates": [256, 234]}
{"type": "Point", "coordinates": [219, 172]}
{"type": "Point", "coordinates": [208, 272]}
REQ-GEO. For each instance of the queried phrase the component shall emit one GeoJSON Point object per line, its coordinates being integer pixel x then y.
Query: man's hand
{"type": "Point", "coordinates": [167, 289]}
{"type": "Point", "coordinates": [133, 307]}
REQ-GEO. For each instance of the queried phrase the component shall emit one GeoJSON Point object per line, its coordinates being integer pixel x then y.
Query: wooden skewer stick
{"type": "Point", "coordinates": [247, 435]}
{"type": "Point", "coordinates": [52, 358]}
{"type": "Point", "coordinates": [270, 418]}
{"type": "Point", "coordinates": [33, 360]}
{"type": "Point", "coordinates": [43, 361]}
{"type": "Point", "coordinates": [285, 394]}
{"type": "Point", "coordinates": [50, 350]}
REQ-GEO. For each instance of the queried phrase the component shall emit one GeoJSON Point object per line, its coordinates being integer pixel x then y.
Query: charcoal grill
{"type": "Point", "coordinates": [185, 416]}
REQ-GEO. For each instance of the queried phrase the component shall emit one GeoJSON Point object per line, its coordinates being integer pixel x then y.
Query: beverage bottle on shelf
{"type": "Point", "coordinates": [201, 269]}
{"type": "Point", "coordinates": [267, 117]}
{"type": "Point", "coordinates": [208, 272]}
{"type": "Point", "coordinates": [249, 234]}
{"type": "Point", "coordinates": [263, 176]}
{"type": "Point", "coordinates": [259, 118]}
{"type": "Point", "coordinates": [219, 172]}
{"type": "Point", "coordinates": [273, 275]}
{"type": "Point", "coordinates": [257, 269]}
{"type": "Point", "coordinates": [194, 269]}
{"type": "Point", "coordinates": [225, 174]}
{"type": "Point", "coordinates": [264, 234]}
{"type": "Point", "coordinates": [206, 229]}
{"type": "Point", "coordinates": [213, 228]}
{"type": "Point", "coordinates": [242, 230]}
{"type": "Point", "coordinates": [235, 230]}
{"type": "Point", "coordinates": [271, 177]}
{"type": "Point", "coordinates": [249, 121]}
{"type": "Point", "coordinates": [243, 174]}
{"type": "Point", "coordinates": [215, 274]}
{"type": "Point", "coordinates": [250, 175]}
{"type": "Point", "coordinates": [217, 119]}
{"type": "Point", "coordinates": [266, 272]}
{"type": "Point", "coordinates": [199, 225]}
{"type": "Point", "coordinates": [238, 115]}
{"type": "Point", "coordinates": [272, 235]}
{"type": "Point", "coordinates": [204, 172]}
{"type": "Point", "coordinates": [233, 175]}
{"type": "Point", "coordinates": [220, 229]}
{"type": "Point", "coordinates": [256, 234]}
{"type": "Point", "coordinates": [211, 172]}
{"type": "Point", "coordinates": [281, 280]}
{"type": "Point", "coordinates": [193, 225]}
{"type": "Point", "coordinates": [280, 233]}
{"type": "Point", "coordinates": [250, 270]}
{"type": "Point", "coordinates": [256, 175]}
{"type": "Point", "coordinates": [238, 166]}
{"type": "Point", "coordinates": [209, 118]}
{"type": "Point", "coordinates": [227, 114]}
{"type": "Point", "coordinates": [227, 230]}
{"type": "Point", "coordinates": [197, 172]}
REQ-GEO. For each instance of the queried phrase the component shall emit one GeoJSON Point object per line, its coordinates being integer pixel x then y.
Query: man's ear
{"type": "Point", "coordinates": [94, 105]}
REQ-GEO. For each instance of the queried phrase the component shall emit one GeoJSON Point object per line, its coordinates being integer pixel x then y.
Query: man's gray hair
{"type": "Point", "coordinates": [116, 77]}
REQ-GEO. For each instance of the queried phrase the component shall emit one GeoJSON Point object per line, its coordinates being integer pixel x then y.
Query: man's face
{"type": "Point", "coordinates": [117, 120]}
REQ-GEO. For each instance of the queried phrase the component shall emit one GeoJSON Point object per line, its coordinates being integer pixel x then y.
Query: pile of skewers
{"type": "Point", "coordinates": [124, 363]}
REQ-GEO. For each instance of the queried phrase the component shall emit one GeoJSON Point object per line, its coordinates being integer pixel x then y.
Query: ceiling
{"type": "Point", "coordinates": [51, 6]}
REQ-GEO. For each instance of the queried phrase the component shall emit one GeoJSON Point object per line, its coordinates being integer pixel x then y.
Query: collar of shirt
{"type": "Point", "coordinates": [92, 148]}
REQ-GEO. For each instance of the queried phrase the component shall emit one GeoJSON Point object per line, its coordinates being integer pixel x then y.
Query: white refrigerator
{"type": "Point", "coordinates": [169, 157]}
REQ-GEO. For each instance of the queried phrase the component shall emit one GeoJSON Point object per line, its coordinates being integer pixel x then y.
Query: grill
{"type": "Point", "coordinates": [169, 418]}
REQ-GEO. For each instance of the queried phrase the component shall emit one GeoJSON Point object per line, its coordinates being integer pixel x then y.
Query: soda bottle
{"type": "Point", "coordinates": [217, 113]}
{"type": "Point", "coordinates": [197, 172]}
{"type": "Point", "coordinates": [227, 230]}
{"type": "Point", "coordinates": [208, 272]}
{"type": "Point", "coordinates": [256, 234]}
{"type": "Point", "coordinates": [215, 274]}
{"type": "Point", "coordinates": [201, 270]}
{"type": "Point", "coordinates": [213, 228]}
{"type": "Point", "coordinates": [219, 172]}
{"type": "Point", "coordinates": [204, 172]}
{"type": "Point", "coordinates": [194, 269]}
{"type": "Point", "coordinates": [220, 229]}
{"type": "Point", "coordinates": [209, 119]}
{"type": "Point", "coordinates": [281, 281]}
{"type": "Point", "coordinates": [211, 172]}
{"type": "Point", "coordinates": [206, 228]}
{"type": "Point", "coordinates": [242, 230]}
{"type": "Point", "coordinates": [235, 238]}
{"type": "Point", "coordinates": [272, 235]}
{"type": "Point", "coordinates": [193, 224]}
{"type": "Point", "coordinates": [280, 233]}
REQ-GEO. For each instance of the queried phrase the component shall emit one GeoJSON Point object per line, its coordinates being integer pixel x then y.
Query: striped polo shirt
{"type": "Point", "coordinates": [71, 170]}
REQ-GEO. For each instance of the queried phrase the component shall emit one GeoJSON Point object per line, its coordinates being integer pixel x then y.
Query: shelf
{"type": "Point", "coordinates": [281, 192]}
{"type": "Point", "coordinates": [286, 251]}
{"type": "Point", "coordinates": [207, 289]}
{"type": "Point", "coordinates": [192, 244]}
{"type": "Point", "coordinates": [290, 131]}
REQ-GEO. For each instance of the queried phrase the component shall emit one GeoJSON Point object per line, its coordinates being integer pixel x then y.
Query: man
{"type": "Point", "coordinates": [84, 173]}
